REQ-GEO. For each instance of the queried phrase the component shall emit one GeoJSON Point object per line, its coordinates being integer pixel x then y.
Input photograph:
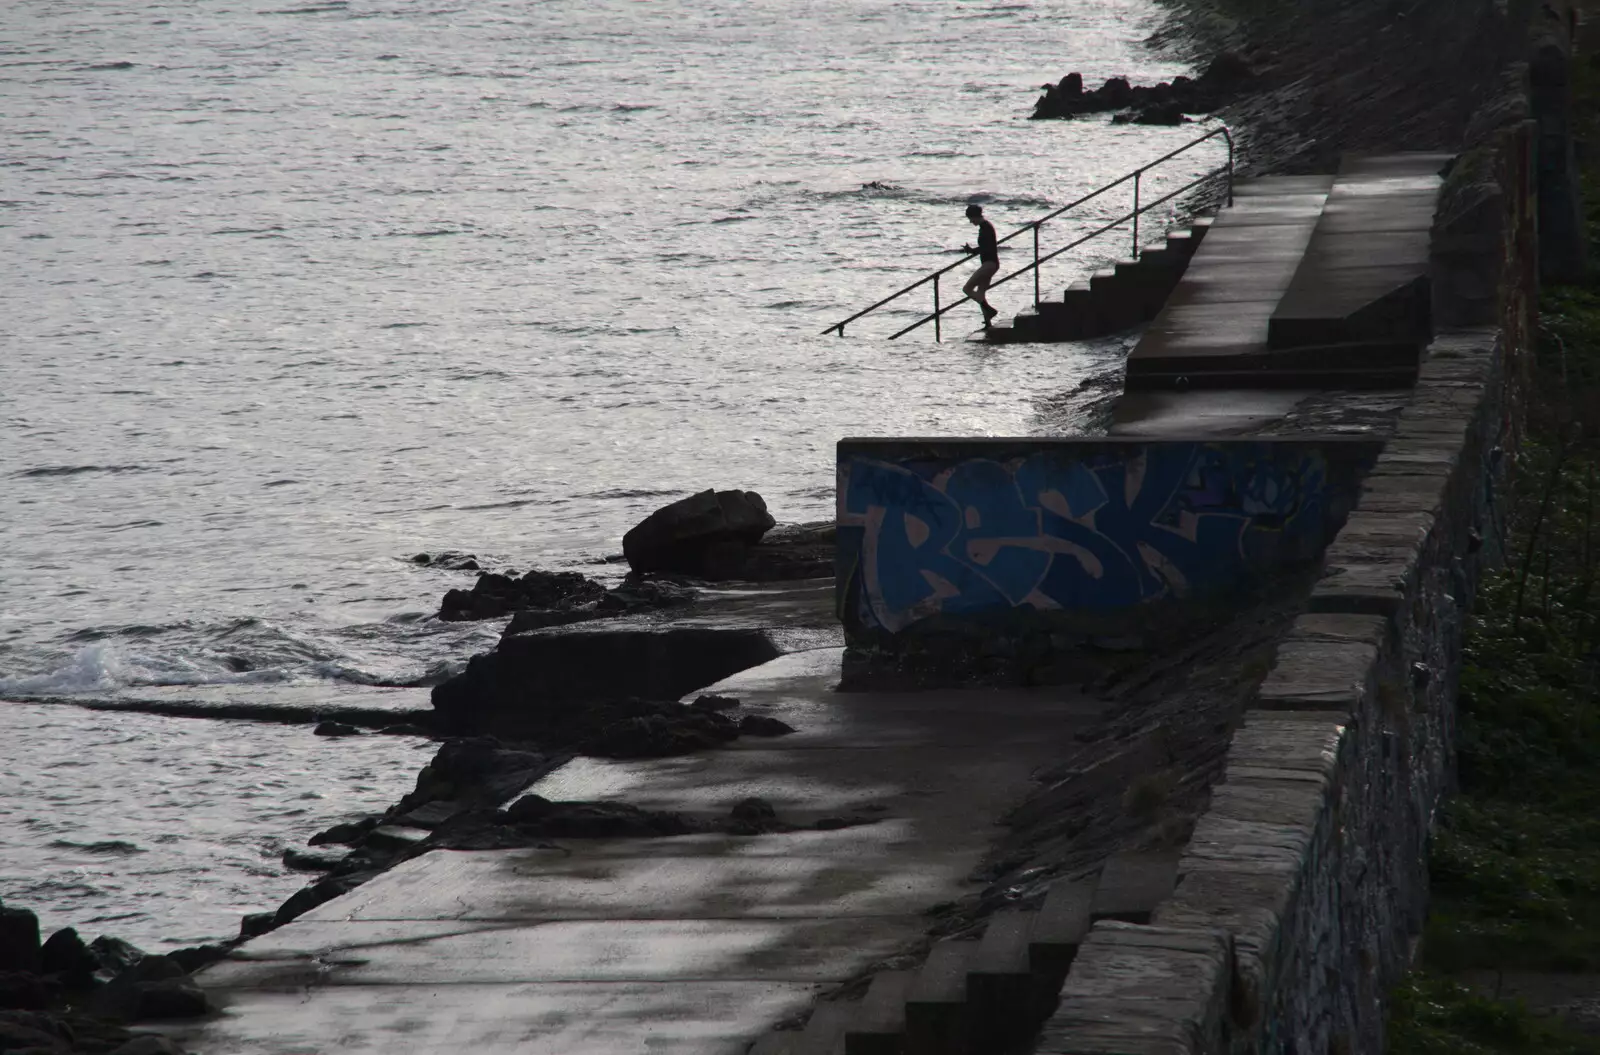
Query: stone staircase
{"type": "Point", "coordinates": [989, 995]}
{"type": "Point", "coordinates": [1127, 294]}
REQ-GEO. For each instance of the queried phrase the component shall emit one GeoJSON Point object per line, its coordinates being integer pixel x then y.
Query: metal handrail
{"type": "Point", "coordinates": [1136, 176]}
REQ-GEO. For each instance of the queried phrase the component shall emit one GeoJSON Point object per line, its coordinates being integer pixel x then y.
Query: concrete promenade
{"type": "Point", "coordinates": [691, 944]}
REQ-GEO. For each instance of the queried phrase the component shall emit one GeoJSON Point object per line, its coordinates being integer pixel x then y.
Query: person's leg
{"type": "Point", "coordinates": [977, 288]}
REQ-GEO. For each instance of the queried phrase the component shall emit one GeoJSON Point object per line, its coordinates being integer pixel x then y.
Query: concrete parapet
{"type": "Point", "coordinates": [988, 559]}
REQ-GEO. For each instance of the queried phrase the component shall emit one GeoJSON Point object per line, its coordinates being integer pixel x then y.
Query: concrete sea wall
{"type": "Point", "coordinates": [1305, 881]}
{"type": "Point", "coordinates": [986, 559]}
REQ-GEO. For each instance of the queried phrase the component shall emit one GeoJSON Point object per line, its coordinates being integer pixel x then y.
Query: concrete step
{"type": "Point", "coordinates": [1059, 927]}
{"type": "Point", "coordinates": [936, 1006]}
{"type": "Point", "coordinates": [879, 1025]}
{"type": "Point", "coordinates": [1002, 993]}
{"type": "Point", "coordinates": [1133, 884]}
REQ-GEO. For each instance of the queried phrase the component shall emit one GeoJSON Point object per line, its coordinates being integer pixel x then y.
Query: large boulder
{"type": "Point", "coordinates": [706, 535]}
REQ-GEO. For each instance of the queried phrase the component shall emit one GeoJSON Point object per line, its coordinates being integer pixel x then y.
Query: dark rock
{"type": "Point", "coordinates": [1225, 78]}
{"type": "Point", "coordinates": [1168, 114]}
{"type": "Point", "coordinates": [662, 735]}
{"type": "Point", "coordinates": [348, 834]}
{"type": "Point", "coordinates": [1116, 91]}
{"type": "Point", "coordinates": [430, 814]}
{"type": "Point", "coordinates": [114, 955]}
{"type": "Point", "coordinates": [521, 689]}
{"type": "Point", "coordinates": [644, 595]}
{"type": "Point", "coordinates": [479, 769]}
{"type": "Point", "coordinates": [495, 595]}
{"type": "Point", "coordinates": [304, 862]}
{"type": "Point", "coordinates": [529, 809]}
{"type": "Point", "coordinates": [794, 551]}
{"type": "Point", "coordinates": [763, 725]}
{"type": "Point", "coordinates": [148, 1044]}
{"type": "Point", "coordinates": [154, 987]}
{"type": "Point", "coordinates": [66, 955]}
{"type": "Point", "coordinates": [318, 893]}
{"type": "Point", "coordinates": [19, 1038]}
{"type": "Point", "coordinates": [705, 534]}
{"type": "Point", "coordinates": [753, 809]}
{"type": "Point", "coordinates": [197, 956]}
{"type": "Point", "coordinates": [335, 729]}
{"type": "Point", "coordinates": [26, 990]}
{"type": "Point", "coordinates": [541, 618]}
{"type": "Point", "coordinates": [82, 1034]}
{"type": "Point", "coordinates": [257, 923]}
{"type": "Point", "coordinates": [713, 702]}
{"type": "Point", "coordinates": [19, 940]}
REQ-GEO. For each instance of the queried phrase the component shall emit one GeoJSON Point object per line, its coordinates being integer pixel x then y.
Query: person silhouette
{"type": "Point", "coordinates": [988, 263]}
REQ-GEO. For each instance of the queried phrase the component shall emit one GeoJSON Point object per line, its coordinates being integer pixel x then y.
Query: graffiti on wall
{"type": "Point", "coordinates": [1085, 528]}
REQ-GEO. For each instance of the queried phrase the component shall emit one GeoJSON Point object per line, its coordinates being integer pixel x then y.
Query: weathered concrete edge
{"type": "Point", "coordinates": [1310, 860]}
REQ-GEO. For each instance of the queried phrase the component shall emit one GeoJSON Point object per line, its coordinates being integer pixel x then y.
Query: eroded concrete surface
{"type": "Point", "coordinates": [694, 944]}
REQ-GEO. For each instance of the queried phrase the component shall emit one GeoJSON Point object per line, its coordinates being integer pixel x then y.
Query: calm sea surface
{"type": "Point", "coordinates": [292, 290]}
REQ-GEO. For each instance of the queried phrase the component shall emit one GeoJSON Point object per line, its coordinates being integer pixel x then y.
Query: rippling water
{"type": "Point", "coordinates": [292, 290]}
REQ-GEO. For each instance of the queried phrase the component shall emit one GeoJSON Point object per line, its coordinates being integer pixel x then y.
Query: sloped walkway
{"type": "Point", "coordinates": [690, 944]}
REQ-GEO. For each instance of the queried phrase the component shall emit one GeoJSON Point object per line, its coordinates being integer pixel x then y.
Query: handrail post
{"type": "Point", "coordinates": [937, 337]}
{"type": "Point", "coordinates": [1036, 266]}
{"type": "Point", "coordinates": [1226, 135]}
{"type": "Point", "coordinates": [1137, 174]}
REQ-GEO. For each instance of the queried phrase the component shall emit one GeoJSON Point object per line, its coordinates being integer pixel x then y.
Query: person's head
{"type": "Point", "coordinates": [975, 213]}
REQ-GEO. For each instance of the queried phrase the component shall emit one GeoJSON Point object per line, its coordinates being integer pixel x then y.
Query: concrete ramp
{"type": "Point", "coordinates": [1308, 282]}
{"type": "Point", "coordinates": [1363, 280]}
{"type": "Point", "coordinates": [1215, 322]}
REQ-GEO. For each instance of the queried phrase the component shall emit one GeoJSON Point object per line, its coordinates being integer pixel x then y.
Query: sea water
{"type": "Point", "coordinates": [292, 290]}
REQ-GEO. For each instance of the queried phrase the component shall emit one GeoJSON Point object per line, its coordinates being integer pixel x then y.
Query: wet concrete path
{"type": "Point", "coordinates": [688, 944]}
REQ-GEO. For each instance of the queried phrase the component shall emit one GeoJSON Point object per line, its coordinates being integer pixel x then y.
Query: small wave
{"type": "Point", "coordinates": [112, 66]}
{"type": "Point", "coordinates": [515, 503]}
{"type": "Point", "coordinates": [628, 108]}
{"type": "Point", "coordinates": [315, 9]}
{"type": "Point", "coordinates": [402, 325]}
{"type": "Point", "coordinates": [624, 492]}
{"type": "Point", "coordinates": [435, 233]}
{"type": "Point", "coordinates": [75, 470]}
{"type": "Point", "coordinates": [117, 847]}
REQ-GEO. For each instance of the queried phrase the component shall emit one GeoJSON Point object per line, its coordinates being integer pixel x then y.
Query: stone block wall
{"type": "Point", "coordinates": [1309, 867]}
{"type": "Point", "coordinates": [985, 559]}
